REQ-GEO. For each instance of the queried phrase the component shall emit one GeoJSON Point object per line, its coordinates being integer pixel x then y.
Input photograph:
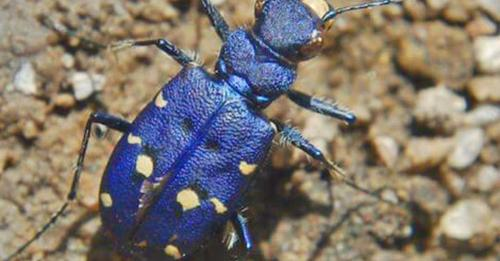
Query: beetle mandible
{"type": "Point", "coordinates": [182, 166]}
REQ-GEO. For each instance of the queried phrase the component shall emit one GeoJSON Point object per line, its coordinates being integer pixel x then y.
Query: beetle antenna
{"type": "Point", "coordinates": [334, 12]}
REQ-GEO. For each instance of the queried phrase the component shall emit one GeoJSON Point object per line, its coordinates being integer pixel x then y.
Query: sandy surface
{"type": "Point", "coordinates": [423, 79]}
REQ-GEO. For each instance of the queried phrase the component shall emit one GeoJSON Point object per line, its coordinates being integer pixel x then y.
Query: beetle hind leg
{"type": "Point", "coordinates": [102, 118]}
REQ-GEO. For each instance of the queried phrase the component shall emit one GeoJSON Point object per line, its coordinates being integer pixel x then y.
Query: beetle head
{"type": "Point", "coordinates": [293, 28]}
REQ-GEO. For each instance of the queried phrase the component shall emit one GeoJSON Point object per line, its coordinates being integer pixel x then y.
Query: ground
{"type": "Point", "coordinates": [423, 79]}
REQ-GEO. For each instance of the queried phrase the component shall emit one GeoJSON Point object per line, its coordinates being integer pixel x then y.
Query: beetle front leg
{"type": "Point", "coordinates": [322, 107]}
{"type": "Point", "coordinates": [109, 121]}
{"type": "Point", "coordinates": [217, 20]}
{"type": "Point", "coordinates": [166, 46]}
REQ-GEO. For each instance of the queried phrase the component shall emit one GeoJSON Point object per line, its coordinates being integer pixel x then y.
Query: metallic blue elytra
{"type": "Point", "coordinates": [182, 167]}
{"type": "Point", "coordinates": [181, 170]}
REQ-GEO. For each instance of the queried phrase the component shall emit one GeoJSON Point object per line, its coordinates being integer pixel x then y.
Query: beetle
{"type": "Point", "coordinates": [181, 168]}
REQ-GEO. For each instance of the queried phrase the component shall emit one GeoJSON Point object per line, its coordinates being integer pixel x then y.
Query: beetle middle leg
{"type": "Point", "coordinates": [109, 121]}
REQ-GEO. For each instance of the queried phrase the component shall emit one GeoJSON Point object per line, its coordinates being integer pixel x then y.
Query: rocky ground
{"type": "Point", "coordinates": [423, 79]}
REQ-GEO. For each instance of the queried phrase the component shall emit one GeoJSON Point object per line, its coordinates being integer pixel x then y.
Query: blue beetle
{"type": "Point", "coordinates": [181, 168]}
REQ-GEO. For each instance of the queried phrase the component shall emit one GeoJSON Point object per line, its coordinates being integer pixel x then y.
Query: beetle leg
{"type": "Point", "coordinates": [166, 46]}
{"type": "Point", "coordinates": [110, 121]}
{"type": "Point", "coordinates": [322, 107]}
{"type": "Point", "coordinates": [240, 223]}
{"type": "Point", "coordinates": [217, 20]}
{"type": "Point", "coordinates": [294, 137]}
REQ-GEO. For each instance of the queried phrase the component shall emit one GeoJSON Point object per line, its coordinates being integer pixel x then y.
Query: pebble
{"type": "Point", "coordinates": [387, 150]}
{"type": "Point", "coordinates": [425, 153]}
{"type": "Point", "coordinates": [415, 9]}
{"type": "Point", "coordinates": [485, 89]}
{"type": "Point", "coordinates": [428, 195]}
{"type": "Point", "coordinates": [487, 53]}
{"type": "Point", "coordinates": [437, 5]}
{"type": "Point", "coordinates": [469, 220]}
{"type": "Point", "coordinates": [483, 115]}
{"type": "Point", "coordinates": [25, 79]}
{"type": "Point", "coordinates": [455, 12]}
{"type": "Point", "coordinates": [64, 100]}
{"type": "Point", "coordinates": [486, 179]}
{"type": "Point", "coordinates": [439, 109]}
{"type": "Point", "coordinates": [468, 145]}
{"type": "Point", "coordinates": [158, 11]}
{"type": "Point", "coordinates": [85, 84]}
{"type": "Point", "coordinates": [68, 61]}
{"type": "Point", "coordinates": [479, 26]}
{"type": "Point", "coordinates": [491, 7]}
{"type": "Point", "coordinates": [436, 51]}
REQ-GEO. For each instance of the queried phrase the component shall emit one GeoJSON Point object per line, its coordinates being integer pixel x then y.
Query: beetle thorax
{"type": "Point", "coordinates": [253, 70]}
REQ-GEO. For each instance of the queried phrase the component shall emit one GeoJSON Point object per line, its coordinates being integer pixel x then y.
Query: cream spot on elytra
{"type": "Point", "coordinates": [159, 101]}
{"type": "Point", "coordinates": [219, 206]}
{"type": "Point", "coordinates": [246, 168]}
{"type": "Point", "coordinates": [144, 165]}
{"type": "Point", "coordinates": [188, 199]}
{"type": "Point", "coordinates": [132, 139]}
{"type": "Point", "coordinates": [106, 200]}
{"type": "Point", "coordinates": [173, 251]}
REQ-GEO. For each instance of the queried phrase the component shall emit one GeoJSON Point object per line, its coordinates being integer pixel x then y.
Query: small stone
{"type": "Point", "coordinates": [493, 132]}
{"type": "Point", "coordinates": [486, 179]}
{"type": "Point", "coordinates": [64, 100]}
{"type": "Point", "coordinates": [480, 26]}
{"type": "Point", "coordinates": [84, 84]}
{"type": "Point", "coordinates": [439, 52]}
{"type": "Point", "coordinates": [437, 5]}
{"type": "Point", "coordinates": [158, 11]}
{"type": "Point", "coordinates": [68, 61]}
{"type": "Point", "coordinates": [470, 221]}
{"type": "Point", "coordinates": [487, 52]}
{"type": "Point", "coordinates": [485, 89]}
{"type": "Point", "coordinates": [428, 195]}
{"type": "Point", "coordinates": [386, 149]}
{"type": "Point", "coordinates": [415, 9]}
{"type": "Point", "coordinates": [25, 79]}
{"type": "Point", "coordinates": [490, 154]}
{"type": "Point", "coordinates": [483, 115]}
{"type": "Point", "coordinates": [439, 109]}
{"type": "Point", "coordinates": [468, 145]}
{"type": "Point", "coordinates": [491, 7]}
{"type": "Point", "coordinates": [455, 12]}
{"type": "Point", "coordinates": [424, 153]}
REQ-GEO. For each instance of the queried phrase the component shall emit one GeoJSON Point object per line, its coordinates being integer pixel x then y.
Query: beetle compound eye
{"type": "Point", "coordinates": [259, 5]}
{"type": "Point", "coordinates": [313, 47]}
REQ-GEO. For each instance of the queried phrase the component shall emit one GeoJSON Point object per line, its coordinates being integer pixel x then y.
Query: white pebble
{"type": "Point", "coordinates": [487, 52]}
{"type": "Point", "coordinates": [24, 80]}
{"type": "Point", "coordinates": [488, 177]}
{"type": "Point", "coordinates": [85, 84]}
{"type": "Point", "coordinates": [466, 219]}
{"type": "Point", "coordinates": [483, 115]}
{"type": "Point", "coordinates": [468, 145]}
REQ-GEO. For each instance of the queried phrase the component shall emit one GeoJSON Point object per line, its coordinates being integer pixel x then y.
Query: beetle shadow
{"type": "Point", "coordinates": [269, 202]}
